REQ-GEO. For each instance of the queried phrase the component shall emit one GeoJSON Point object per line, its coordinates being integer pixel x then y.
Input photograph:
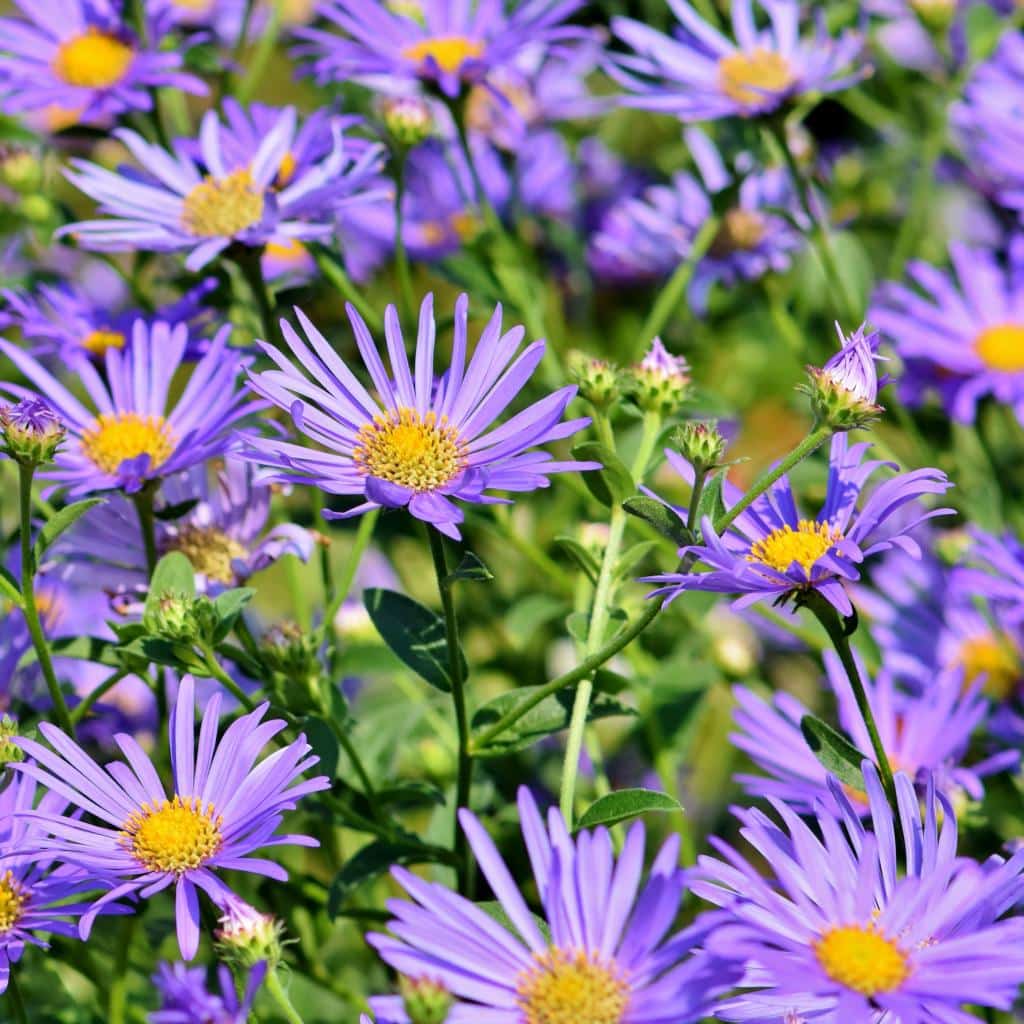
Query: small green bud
{"type": "Point", "coordinates": [425, 1001]}
{"type": "Point", "coordinates": [9, 752]}
{"type": "Point", "coordinates": [291, 654]}
{"type": "Point", "coordinates": [700, 443]}
{"type": "Point", "coordinates": [408, 120]}
{"type": "Point", "coordinates": [935, 15]}
{"type": "Point", "coordinates": [246, 937]}
{"type": "Point", "coordinates": [206, 619]}
{"type": "Point", "coordinates": [30, 432]}
{"type": "Point", "coordinates": [21, 170]}
{"type": "Point", "coordinates": [172, 618]}
{"type": "Point", "coordinates": [598, 381]}
{"type": "Point", "coordinates": [36, 209]}
{"type": "Point", "coordinates": [660, 382]}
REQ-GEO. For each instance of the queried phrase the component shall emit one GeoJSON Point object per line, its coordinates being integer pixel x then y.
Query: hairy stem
{"type": "Point", "coordinates": [276, 992]}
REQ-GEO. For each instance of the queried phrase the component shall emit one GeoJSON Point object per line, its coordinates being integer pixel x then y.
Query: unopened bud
{"type": "Point", "coordinates": [247, 937]}
{"type": "Point", "coordinates": [408, 120]}
{"type": "Point", "coordinates": [660, 382]}
{"type": "Point", "coordinates": [291, 654]}
{"type": "Point", "coordinates": [700, 443]}
{"type": "Point", "coordinates": [935, 15]}
{"type": "Point", "coordinates": [844, 391]}
{"type": "Point", "coordinates": [425, 1001]}
{"type": "Point", "coordinates": [9, 751]}
{"type": "Point", "coordinates": [37, 209]}
{"type": "Point", "coordinates": [172, 618]}
{"type": "Point", "coordinates": [21, 170]}
{"type": "Point", "coordinates": [598, 381]}
{"type": "Point", "coordinates": [31, 432]}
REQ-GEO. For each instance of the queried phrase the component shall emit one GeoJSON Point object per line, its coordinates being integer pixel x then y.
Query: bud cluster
{"type": "Point", "coordinates": [292, 655]}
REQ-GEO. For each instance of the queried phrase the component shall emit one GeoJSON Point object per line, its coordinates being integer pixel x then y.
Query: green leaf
{"type": "Point", "coordinates": [415, 633]}
{"type": "Point", "coordinates": [580, 555]}
{"type": "Point", "coordinates": [530, 614]}
{"type": "Point", "coordinates": [607, 681]}
{"type": "Point", "coordinates": [633, 556]}
{"type": "Point", "coordinates": [405, 795]}
{"type": "Point", "coordinates": [550, 715]}
{"type": "Point", "coordinates": [9, 588]}
{"type": "Point", "coordinates": [61, 521]}
{"type": "Point", "coordinates": [613, 483]}
{"type": "Point", "coordinates": [836, 753]}
{"type": "Point", "coordinates": [626, 804]}
{"type": "Point", "coordinates": [169, 513]}
{"type": "Point", "coordinates": [228, 606]}
{"type": "Point", "coordinates": [173, 575]}
{"type": "Point", "coordinates": [321, 738]}
{"type": "Point", "coordinates": [661, 517]}
{"type": "Point", "coordinates": [471, 569]}
{"type": "Point", "coordinates": [711, 503]}
{"type": "Point", "coordinates": [496, 912]}
{"type": "Point", "coordinates": [371, 862]}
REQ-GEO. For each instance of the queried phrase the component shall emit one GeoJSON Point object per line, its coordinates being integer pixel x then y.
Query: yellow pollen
{"type": "Point", "coordinates": [804, 545]}
{"type": "Point", "coordinates": [571, 988]}
{"type": "Point", "coordinates": [750, 78]}
{"type": "Point", "coordinates": [210, 551]}
{"type": "Point", "coordinates": [176, 835]}
{"type": "Point", "coordinates": [1001, 348]}
{"type": "Point", "coordinates": [993, 658]}
{"type": "Point", "coordinates": [741, 231]}
{"type": "Point", "coordinates": [292, 251]}
{"type": "Point", "coordinates": [286, 171]}
{"type": "Point", "coordinates": [222, 207]}
{"type": "Point", "coordinates": [862, 959]}
{"type": "Point", "coordinates": [198, 6]}
{"type": "Point", "coordinates": [116, 437]}
{"type": "Point", "coordinates": [418, 452]}
{"type": "Point", "coordinates": [12, 902]}
{"type": "Point", "coordinates": [97, 343]}
{"type": "Point", "coordinates": [94, 60]}
{"type": "Point", "coordinates": [449, 52]}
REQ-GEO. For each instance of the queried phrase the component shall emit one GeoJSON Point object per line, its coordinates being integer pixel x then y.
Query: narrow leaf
{"type": "Point", "coordinates": [661, 517]}
{"type": "Point", "coordinates": [613, 483]}
{"type": "Point", "coordinates": [626, 804]}
{"type": "Point", "coordinates": [9, 588]}
{"type": "Point", "coordinates": [61, 521]}
{"type": "Point", "coordinates": [836, 753]}
{"type": "Point", "coordinates": [580, 555]}
{"type": "Point", "coordinates": [471, 569]}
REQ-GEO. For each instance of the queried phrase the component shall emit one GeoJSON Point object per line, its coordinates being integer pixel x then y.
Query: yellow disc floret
{"type": "Point", "coordinates": [741, 231]}
{"type": "Point", "coordinates": [572, 988]}
{"type": "Point", "coordinates": [449, 52]}
{"type": "Point", "coordinates": [175, 836]}
{"type": "Point", "coordinates": [804, 545]}
{"type": "Point", "coordinates": [1001, 348]}
{"type": "Point", "coordinates": [211, 551]}
{"type": "Point", "coordinates": [222, 207]}
{"type": "Point", "coordinates": [93, 60]}
{"type": "Point", "coordinates": [12, 902]}
{"type": "Point", "coordinates": [114, 437]}
{"type": "Point", "coordinates": [862, 959]}
{"type": "Point", "coordinates": [751, 77]}
{"type": "Point", "coordinates": [98, 342]}
{"type": "Point", "coordinates": [418, 452]}
{"type": "Point", "coordinates": [994, 659]}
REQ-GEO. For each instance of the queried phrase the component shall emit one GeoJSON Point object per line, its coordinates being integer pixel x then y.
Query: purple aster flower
{"type": "Point", "coordinates": [854, 925]}
{"type": "Point", "coordinates": [222, 17]}
{"type": "Point", "coordinates": [844, 392]}
{"type": "Point", "coordinates": [700, 74]}
{"type": "Point", "coordinates": [927, 736]}
{"type": "Point", "coordinates": [771, 551]}
{"type": "Point", "coordinates": [223, 807]}
{"type": "Point", "coordinates": [422, 441]}
{"type": "Point", "coordinates": [912, 27]}
{"type": "Point", "coordinates": [185, 999]}
{"type": "Point", "coordinates": [132, 432]}
{"type": "Point", "coordinates": [962, 335]}
{"type": "Point", "coordinates": [609, 955]}
{"type": "Point", "coordinates": [80, 57]}
{"type": "Point", "coordinates": [1000, 575]}
{"type": "Point", "coordinates": [447, 46]}
{"type": "Point", "coordinates": [205, 204]}
{"type": "Point", "coordinates": [224, 534]}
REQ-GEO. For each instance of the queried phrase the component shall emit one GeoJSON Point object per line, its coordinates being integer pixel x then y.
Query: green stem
{"type": "Point", "coordinates": [695, 495]}
{"type": "Point", "coordinates": [648, 439]}
{"type": "Point", "coordinates": [674, 290]}
{"type": "Point", "coordinates": [15, 999]}
{"type": "Point", "coordinates": [105, 687]}
{"type": "Point", "coordinates": [218, 673]}
{"type": "Point", "coordinates": [335, 273]}
{"type": "Point", "coordinates": [833, 626]}
{"type": "Point", "coordinates": [465, 762]}
{"type": "Point", "coordinates": [250, 263]}
{"type": "Point", "coordinates": [276, 992]}
{"type": "Point", "coordinates": [265, 47]}
{"type": "Point", "coordinates": [28, 601]}
{"type": "Point", "coordinates": [117, 996]}
{"type": "Point", "coordinates": [357, 762]}
{"type": "Point", "coordinates": [343, 585]}
{"type": "Point", "coordinates": [243, 32]}
{"type": "Point", "coordinates": [144, 499]}
{"type": "Point", "coordinates": [401, 254]}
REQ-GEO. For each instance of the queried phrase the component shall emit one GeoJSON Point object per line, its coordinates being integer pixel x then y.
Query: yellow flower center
{"type": "Point", "coordinates": [993, 658]}
{"type": "Point", "coordinates": [741, 231]}
{"type": "Point", "coordinates": [418, 452]}
{"type": "Point", "coordinates": [95, 60]}
{"type": "Point", "coordinates": [1001, 348]}
{"type": "Point", "coordinates": [804, 545]}
{"type": "Point", "coordinates": [196, 6]}
{"type": "Point", "coordinates": [222, 207]}
{"type": "Point", "coordinates": [119, 436]}
{"type": "Point", "coordinates": [12, 902]}
{"type": "Point", "coordinates": [210, 551]}
{"type": "Point", "coordinates": [286, 171]}
{"type": "Point", "coordinates": [292, 251]}
{"type": "Point", "coordinates": [571, 988]}
{"type": "Point", "coordinates": [749, 78]}
{"type": "Point", "coordinates": [450, 52]}
{"type": "Point", "coordinates": [97, 343]}
{"type": "Point", "coordinates": [862, 959]}
{"type": "Point", "coordinates": [176, 835]}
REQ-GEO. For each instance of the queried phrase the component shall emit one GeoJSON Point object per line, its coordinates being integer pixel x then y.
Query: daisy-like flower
{"type": "Point", "coordinates": [205, 202]}
{"type": "Point", "coordinates": [131, 432]}
{"type": "Point", "coordinates": [771, 551]}
{"type": "Point", "coordinates": [448, 46]}
{"type": "Point", "coordinates": [854, 925]}
{"type": "Point", "coordinates": [185, 999]}
{"type": "Point", "coordinates": [961, 334]}
{"type": "Point", "coordinates": [926, 736]}
{"type": "Point", "coordinates": [423, 440]}
{"type": "Point", "coordinates": [37, 896]}
{"type": "Point", "coordinates": [223, 807]}
{"type": "Point", "coordinates": [1000, 572]}
{"type": "Point", "coordinates": [609, 958]}
{"type": "Point", "coordinates": [79, 57]}
{"type": "Point", "coordinates": [701, 75]}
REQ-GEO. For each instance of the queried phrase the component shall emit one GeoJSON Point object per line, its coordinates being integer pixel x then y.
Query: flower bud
{"type": "Point", "coordinates": [700, 443]}
{"type": "Point", "coordinates": [9, 751]}
{"type": "Point", "coordinates": [21, 170]}
{"type": "Point", "coordinates": [935, 15]}
{"type": "Point", "coordinates": [425, 1001]}
{"type": "Point", "coordinates": [660, 382]}
{"type": "Point", "coordinates": [408, 120]}
{"type": "Point", "coordinates": [172, 618]}
{"type": "Point", "coordinates": [246, 937]}
{"type": "Point", "coordinates": [598, 381]}
{"type": "Point", "coordinates": [292, 656]}
{"type": "Point", "coordinates": [31, 432]}
{"type": "Point", "coordinates": [844, 391]}
{"type": "Point", "coordinates": [37, 209]}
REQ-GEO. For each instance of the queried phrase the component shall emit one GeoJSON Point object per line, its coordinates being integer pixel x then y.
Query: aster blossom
{"type": "Point", "coordinates": [447, 46]}
{"type": "Point", "coordinates": [853, 925]}
{"type": "Point", "coordinates": [772, 551]}
{"type": "Point", "coordinates": [204, 202]}
{"type": "Point", "coordinates": [185, 998]}
{"type": "Point", "coordinates": [610, 955]}
{"type": "Point", "coordinates": [224, 806]}
{"type": "Point", "coordinates": [701, 74]}
{"type": "Point", "coordinates": [79, 57]}
{"type": "Point", "coordinates": [131, 432]}
{"type": "Point", "coordinates": [422, 441]}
